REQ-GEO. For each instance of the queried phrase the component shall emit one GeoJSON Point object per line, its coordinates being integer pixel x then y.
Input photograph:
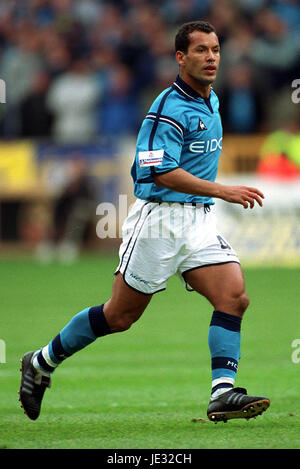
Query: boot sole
{"type": "Point", "coordinates": [249, 411]}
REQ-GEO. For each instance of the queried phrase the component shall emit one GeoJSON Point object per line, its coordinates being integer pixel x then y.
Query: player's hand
{"type": "Point", "coordinates": [244, 195]}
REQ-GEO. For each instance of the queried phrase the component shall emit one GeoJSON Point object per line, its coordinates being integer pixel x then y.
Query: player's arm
{"type": "Point", "coordinates": [180, 180]}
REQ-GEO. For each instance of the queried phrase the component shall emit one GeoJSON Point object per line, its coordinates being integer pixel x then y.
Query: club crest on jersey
{"type": "Point", "coordinates": [201, 125]}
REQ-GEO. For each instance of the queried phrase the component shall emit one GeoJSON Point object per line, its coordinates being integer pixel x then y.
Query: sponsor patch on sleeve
{"type": "Point", "coordinates": [151, 157]}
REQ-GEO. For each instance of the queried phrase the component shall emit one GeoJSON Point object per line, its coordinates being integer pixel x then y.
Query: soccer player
{"type": "Point", "coordinates": [171, 229]}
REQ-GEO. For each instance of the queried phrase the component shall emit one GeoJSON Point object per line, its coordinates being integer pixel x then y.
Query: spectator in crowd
{"type": "Point", "coordinates": [289, 12]}
{"type": "Point", "coordinates": [73, 213]}
{"type": "Point", "coordinates": [36, 119]}
{"type": "Point", "coordinates": [19, 63]}
{"type": "Point", "coordinates": [118, 111]}
{"type": "Point", "coordinates": [275, 50]}
{"type": "Point", "coordinates": [71, 98]}
{"type": "Point", "coordinates": [241, 102]}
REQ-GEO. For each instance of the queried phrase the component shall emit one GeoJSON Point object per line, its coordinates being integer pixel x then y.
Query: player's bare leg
{"type": "Point", "coordinates": [125, 306]}
{"type": "Point", "coordinates": [224, 286]}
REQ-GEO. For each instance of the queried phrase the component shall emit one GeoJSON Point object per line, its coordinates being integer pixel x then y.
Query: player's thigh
{"type": "Point", "coordinates": [125, 306]}
{"type": "Point", "coordinates": [222, 284]}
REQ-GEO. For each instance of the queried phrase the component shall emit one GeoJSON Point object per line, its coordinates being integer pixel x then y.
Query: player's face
{"type": "Point", "coordinates": [201, 62]}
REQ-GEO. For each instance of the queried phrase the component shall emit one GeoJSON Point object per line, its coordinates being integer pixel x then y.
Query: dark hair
{"type": "Point", "coordinates": [182, 40]}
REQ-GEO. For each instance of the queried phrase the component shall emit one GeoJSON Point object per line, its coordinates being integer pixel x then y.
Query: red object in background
{"type": "Point", "coordinates": [278, 166]}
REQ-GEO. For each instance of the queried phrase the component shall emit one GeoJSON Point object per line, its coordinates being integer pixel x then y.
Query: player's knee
{"type": "Point", "coordinates": [122, 321]}
{"type": "Point", "coordinates": [242, 303]}
{"type": "Point", "coordinates": [122, 325]}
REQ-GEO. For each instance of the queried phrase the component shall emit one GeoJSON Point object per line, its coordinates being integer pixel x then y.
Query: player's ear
{"type": "Point", "coordinates": [180, 57]}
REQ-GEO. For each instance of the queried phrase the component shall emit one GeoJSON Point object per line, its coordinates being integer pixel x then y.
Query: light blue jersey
{"type": "Point", "coordinates": [181, 130]}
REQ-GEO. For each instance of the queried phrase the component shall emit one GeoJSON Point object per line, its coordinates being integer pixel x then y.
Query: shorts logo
{"type": "Point", "coordinates": [138, 279]}
{"type": "Point", "coordinates": [223, 243]}
{"type": "Point", "coordinates": [151, 158]}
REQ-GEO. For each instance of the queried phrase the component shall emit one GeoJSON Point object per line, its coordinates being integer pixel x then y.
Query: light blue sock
{"type": "Point", "coordinates": [83, 329]}
{"type": "Point", "coordinates": [224, 339]}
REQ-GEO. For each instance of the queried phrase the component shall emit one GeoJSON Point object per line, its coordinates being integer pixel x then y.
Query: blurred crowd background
{"type": "Point", "coordinates": [80, 76]}
{"type": "Point", "coordinates": [77, 69]}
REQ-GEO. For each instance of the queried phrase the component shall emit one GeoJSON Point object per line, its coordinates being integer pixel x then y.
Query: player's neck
{"type": "Point", "coordinates": [203, 90]}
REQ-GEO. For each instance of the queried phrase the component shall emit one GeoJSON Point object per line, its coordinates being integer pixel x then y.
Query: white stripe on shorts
{"type": "Point", "coordinates": [135, 233]}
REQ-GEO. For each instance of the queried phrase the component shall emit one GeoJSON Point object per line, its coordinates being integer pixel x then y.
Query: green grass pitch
{"type": "Point", "coordinates": [142, 388]}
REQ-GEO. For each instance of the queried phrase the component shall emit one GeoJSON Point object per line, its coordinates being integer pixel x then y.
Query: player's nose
{"type": "Point", "coordinates": [210, 56]}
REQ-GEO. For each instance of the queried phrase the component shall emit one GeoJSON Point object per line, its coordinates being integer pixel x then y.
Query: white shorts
{"type": "Point", "coordinates": [163, 239]}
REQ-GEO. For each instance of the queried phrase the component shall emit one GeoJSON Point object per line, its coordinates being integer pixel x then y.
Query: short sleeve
{"type": "Point", "coordinates": [159, 146]}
